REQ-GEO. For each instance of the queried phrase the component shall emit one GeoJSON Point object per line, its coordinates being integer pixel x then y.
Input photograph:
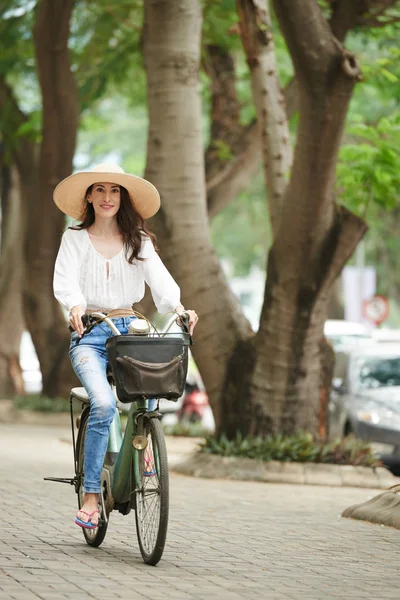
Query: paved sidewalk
{"type": "Point", "coordinates": [227, 540]}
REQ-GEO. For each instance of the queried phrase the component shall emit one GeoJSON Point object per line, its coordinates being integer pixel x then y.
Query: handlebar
{"type": "Point", "coordinates": [92, 319]}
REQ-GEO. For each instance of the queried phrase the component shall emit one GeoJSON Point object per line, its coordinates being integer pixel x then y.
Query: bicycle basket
{"type": "Point", "coordinates": [148, 367]}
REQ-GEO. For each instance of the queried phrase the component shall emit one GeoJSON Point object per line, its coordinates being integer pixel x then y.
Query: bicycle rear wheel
{"type": "Point", "coordinates": [94, 537]}
{"type": "Point", "coordinates": [152, 493]}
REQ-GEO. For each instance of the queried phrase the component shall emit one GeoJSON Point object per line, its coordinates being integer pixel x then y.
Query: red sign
{"type": "Point", "coordinates": [376, 309]}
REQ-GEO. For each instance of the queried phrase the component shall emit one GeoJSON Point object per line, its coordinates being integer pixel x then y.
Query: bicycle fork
{"type": "Point", "coordinates": [140, 441]}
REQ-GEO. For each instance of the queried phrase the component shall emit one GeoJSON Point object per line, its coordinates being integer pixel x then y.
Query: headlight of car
{"type": "Point", "coordinates": [378, 415]}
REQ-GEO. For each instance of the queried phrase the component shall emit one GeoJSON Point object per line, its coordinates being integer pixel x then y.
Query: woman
{"type": "Point", "coordinates": [102, 265]}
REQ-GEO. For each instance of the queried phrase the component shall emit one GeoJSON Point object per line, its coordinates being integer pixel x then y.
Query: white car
{"type": "Point", "coordinates": [386, 335]}
{"type": "Point", "coordinates": [365, 400]}
{"type": "Point", "coordinates": [346, 334]}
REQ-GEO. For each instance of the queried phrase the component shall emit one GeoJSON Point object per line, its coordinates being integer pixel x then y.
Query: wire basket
{"type": "Point", "coordinates": [149, 366]}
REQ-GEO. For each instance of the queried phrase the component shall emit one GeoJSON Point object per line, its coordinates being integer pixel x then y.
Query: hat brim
{"type": "Point", "coordinates": [69, 195]}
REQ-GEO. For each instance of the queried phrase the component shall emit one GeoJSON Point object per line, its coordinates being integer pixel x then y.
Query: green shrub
{"type": "Point", "coordinates": [185, 430]}
{"type": "Point", "coordinates": [302, 447]}
{"type": "Point", "coordinates": [39, 403]}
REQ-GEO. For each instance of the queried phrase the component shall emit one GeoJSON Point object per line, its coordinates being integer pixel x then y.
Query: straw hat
{"type": "Point", "coordinates": [69, 195]}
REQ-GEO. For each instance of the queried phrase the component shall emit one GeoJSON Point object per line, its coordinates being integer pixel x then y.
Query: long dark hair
{"type": "Point", "coordinates": [130, 223]}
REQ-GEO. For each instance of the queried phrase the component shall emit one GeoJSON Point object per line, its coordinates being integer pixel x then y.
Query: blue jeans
{"type": "Point", "coordinates": [89, 360]}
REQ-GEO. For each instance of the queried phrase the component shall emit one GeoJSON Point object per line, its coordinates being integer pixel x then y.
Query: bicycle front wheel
{"type": "Point", "coordinates": [152, 493]}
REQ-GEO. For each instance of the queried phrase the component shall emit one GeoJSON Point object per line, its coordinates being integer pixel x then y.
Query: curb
{"type": "Point", "coordinates": [211, 466]}
{"type": "Point", "coordinates": [8, 414]}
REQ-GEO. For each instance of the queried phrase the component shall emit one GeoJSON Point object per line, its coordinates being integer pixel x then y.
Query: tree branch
{"type": "Point", "coordinates": [225, 109]}
{"type": "Point", "coordinates": [21, 147]}
{"type": "Point", "coordinates": [308, 36]}
{"type": "Point", "coordinates": [350, 229]}
{"type": "Point", "coordinates": [256, 34]}
{"type": "Point", "coordinates": [345, 16]}
{"type": "Point", "coordinates": [236, 174]}
{"type": "Point", "coordinates": [368, 13]}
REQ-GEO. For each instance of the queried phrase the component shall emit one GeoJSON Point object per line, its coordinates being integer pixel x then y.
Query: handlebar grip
{"type": "Point", "coordinates": [85, 320]}
{"type": "Point", "coordinates": [184, 320]}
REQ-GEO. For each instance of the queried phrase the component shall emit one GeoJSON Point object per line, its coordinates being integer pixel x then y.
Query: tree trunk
{"type": "Point", "coordinates": [44, 316]}
{"type": "Point", "coordinates": [175, 164]}
{"type": "Point", "coordinates": [335, 305]}
{"type": "Point", "coordinates": [315, 238]}
{"type": "Point", "coordinates": [11, 265]}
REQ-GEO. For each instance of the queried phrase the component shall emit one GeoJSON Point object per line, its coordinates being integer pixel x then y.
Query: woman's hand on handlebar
{"type": "Point", "coordinates": [193, 318]}
{"type": "Point", "coordinates": [75, 319]}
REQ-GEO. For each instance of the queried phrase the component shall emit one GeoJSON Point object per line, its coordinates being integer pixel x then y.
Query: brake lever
{"type": "Point", "coordinates": [88, 326]}
{"type": "Point", "coordinates": [184, 320]}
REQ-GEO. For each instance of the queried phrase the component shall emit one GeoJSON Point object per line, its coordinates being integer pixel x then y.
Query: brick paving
{"type": "Point", "coordinates": [227, 540]}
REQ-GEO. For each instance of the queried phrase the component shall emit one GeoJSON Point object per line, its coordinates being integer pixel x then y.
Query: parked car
{"type": "Point", "coordinates": [346, 334]}
{"type": "Point", "coordinates": [365, 399]}
{"type": "Point", "coordinates": [386, 335]}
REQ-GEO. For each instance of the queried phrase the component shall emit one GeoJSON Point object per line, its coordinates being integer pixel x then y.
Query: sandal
{"type": "Point", "coordinates": [87, 524]}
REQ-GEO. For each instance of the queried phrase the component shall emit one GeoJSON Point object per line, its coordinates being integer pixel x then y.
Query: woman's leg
{"type": "Point", "coordinates": [89, 363]}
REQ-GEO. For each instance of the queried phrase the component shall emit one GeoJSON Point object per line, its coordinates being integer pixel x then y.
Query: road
{"type": "Point", "coordinates": [227, 540]}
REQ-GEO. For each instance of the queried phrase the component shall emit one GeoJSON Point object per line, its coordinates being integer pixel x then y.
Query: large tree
{"type": "Point", "coordinates": [46, 223]}
{"type": "Point", "coordinates": [11, 261]}
{"type": "Point", "coordinates": [270, 380]}
{"type": "Point", "coordinates": [40, 167]}
{"type": "Point", "coordinates": [42, 150]}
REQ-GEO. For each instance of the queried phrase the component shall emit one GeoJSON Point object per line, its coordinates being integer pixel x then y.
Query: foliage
{"type": "Point", "coordinates": [241, 232]}
{"type": "Point", "coordinates": [113, 131]}
{"type": "Point", "coordinates": [220, 20]}
{"type": "Point", "coordinates": [39, 403]}
{"type": "Point", "coordinates": [185, 430]}
{"type": "Point", "coordinates": [369, 162]}
{"type": "Point", "coordinates": [16, 49]}
{"type": "Point", "coordinates": [369, 167]}
{"type": "Point", "coordinates": [105, 43]}
{"type": "Point", "coordinates": [296, 448]}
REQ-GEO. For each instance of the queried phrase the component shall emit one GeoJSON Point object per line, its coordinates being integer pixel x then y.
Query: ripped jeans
{"type": "Point", "coordinates": [89, 360]}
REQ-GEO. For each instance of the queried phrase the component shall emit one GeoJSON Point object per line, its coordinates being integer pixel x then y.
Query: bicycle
{"type": "Point", "coordinates": [135, 469]}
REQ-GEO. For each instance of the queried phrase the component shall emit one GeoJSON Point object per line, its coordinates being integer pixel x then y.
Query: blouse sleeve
{"type": "Point", "coordinates": [66, 274]}
{"type": "Point", "coordinates": [166, 293]}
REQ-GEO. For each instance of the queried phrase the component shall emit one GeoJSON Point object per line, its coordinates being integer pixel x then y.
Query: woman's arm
{"type": "Point", "coordinates": [165, 291]}
{"type": "Point", "coordinates": [66, 274]}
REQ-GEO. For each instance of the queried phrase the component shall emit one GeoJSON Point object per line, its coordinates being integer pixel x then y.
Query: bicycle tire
{"type": "Point", "coordinates": [152, 493]}
{"type": "Point", "coordinates": [93, 537]}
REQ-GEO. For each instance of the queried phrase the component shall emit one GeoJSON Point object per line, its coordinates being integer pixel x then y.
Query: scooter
{"type": "Point", "coordinates": [195, 402]}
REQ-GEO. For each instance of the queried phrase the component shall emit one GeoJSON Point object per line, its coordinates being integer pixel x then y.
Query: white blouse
{"type": "Point", "coordinates": [83, 276]}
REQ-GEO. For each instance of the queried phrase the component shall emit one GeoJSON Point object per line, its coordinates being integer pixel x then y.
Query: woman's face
{"type": "Point", "coordinates": [106, 199]}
